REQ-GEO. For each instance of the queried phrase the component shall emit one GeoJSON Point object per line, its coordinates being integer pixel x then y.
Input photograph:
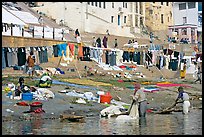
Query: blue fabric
{"type": "Point", "coordinates": [61, 72]}
{"type": "Point", "coordinates": [3, 59]}
{"type": "Point", "coordinates": [62, 47]}
{"type": "Point", "coordinates": [113, 58]}
{"type": "Point", "coordinates": [126, 56]}
{"type": "Point", "coordinates": [180, 95]}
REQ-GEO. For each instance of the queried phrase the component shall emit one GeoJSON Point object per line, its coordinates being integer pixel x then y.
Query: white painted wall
{"type": "Point", "coordinates": [98, 20]}
{"type": "Point", "coordinates": [191, 14]}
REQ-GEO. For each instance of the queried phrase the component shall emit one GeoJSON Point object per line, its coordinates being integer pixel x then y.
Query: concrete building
{"type": "Point", "coordinates": [185, 16]}
{"type": "Point", "coordinates": [199, 21]}
{"type": "Point", "coordinates": [119, 18]}
{"type": "Point", "coordinates": [158, 15]}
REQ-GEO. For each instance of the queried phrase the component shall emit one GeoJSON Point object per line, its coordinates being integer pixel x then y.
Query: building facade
{"type": "Point", "coordinates": [158, 15]}
{"type": "Point", "coordinates": [185, 16]}
{"type": "Point", "coordinates": [119, 18]}
{"type": "Point", "coordinates": [199, 21]}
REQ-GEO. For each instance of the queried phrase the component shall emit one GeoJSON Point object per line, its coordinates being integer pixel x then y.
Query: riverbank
{"type": "Point", "coordinates": [64, 104]}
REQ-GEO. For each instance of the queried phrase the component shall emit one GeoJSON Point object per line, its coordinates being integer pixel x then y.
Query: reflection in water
{"type": "Point", "coordinates": [153, 124]}
{"type": "Point", "coordinates": [192, 124]}
{"type": "Point", "coordinates": [105, 126]}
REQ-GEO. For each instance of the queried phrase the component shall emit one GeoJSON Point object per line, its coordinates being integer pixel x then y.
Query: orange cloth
{"type": "Point", "coordinates": [80, 51]}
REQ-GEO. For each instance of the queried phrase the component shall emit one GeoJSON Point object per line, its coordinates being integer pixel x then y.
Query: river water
{"type": "Point", "coordinates": [154, 124]}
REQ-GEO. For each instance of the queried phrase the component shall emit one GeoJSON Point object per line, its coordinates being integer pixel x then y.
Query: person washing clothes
{"type": "Point", "coordinates": [21, 87]}
{"type": "Point", "coordinates": [185, 100]}
{"type": "Point", "coordinates": [45, 81]}
{"type": "Point", "coordinates": [140, 99]}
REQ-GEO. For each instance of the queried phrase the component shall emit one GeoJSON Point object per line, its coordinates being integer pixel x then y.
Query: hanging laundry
{"type": "Point", "coordinates": [55, 50]}
{"type": "Point", "coordinates": [62, 47]}
{"type": "Point", "coordinates": [71, 47]}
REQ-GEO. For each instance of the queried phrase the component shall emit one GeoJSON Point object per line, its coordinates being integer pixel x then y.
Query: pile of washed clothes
{"type": "Point", "coordinates": [38, 94]}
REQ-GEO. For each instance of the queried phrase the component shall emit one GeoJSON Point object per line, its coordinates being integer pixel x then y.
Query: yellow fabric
{"type": "Point", "coordinates": [165, 82]}
{"type": "Point", "coordinates": [85, 82]}
{"type": "Point", "coordinates": [183, 73]}
{"type": "Point", "coordinates": [45, 85]}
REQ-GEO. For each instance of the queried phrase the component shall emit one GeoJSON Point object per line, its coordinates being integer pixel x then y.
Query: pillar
{"type": "Point", "coordinates": [133, 15]}
{"type": "Point", "coordinates": [179, 34]}
{"type": "Point", "coordinates": [138, 17]}
{"type": "Point", "coordinates": [143, 4]}
{"type": "Point", "coordinates": [196, 35]}
{"type": "Point", "coordinates": [189, 34]}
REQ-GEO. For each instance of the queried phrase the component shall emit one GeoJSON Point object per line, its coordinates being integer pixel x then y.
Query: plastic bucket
{"type": "Point", "coordinates": [105, 98]}
{"type": "Point", "coordinates": [27, 96]}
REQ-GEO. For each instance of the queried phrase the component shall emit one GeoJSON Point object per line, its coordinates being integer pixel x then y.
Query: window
{"type": "Point", "coordinates": [150, 12]}
{"type": "Point", "coordinates": [112, 4]}
{"type": "Point", "coordinates": [118, 20]}
{"type": "Point", "coordinates": [92, 3]}
{"type": "Point", "coordinates": [88, 3]}
{"type": "Point", "coordinates": [184, 32]}
{"type": "Point", "coordinates": [162, 18]}
{"type": "Point", "coordinates": [104, 5]}
{"type": "Point", "coordinates": [96, 4]}
{"type": "Point", "coordinates": [199, 6]}
{"type": "Point", "coordinates": [167, 3]}
{"type": "Point", "coordinates": [99, 4]}
{"type": "Point", "coordinates": [182, 6]}
{"type": "Point", "coordinates": [184, 20]}
{"type": "Point", "coordinates": [162, 3]}
{"type": "Point", "coordinates": [124, 4]}
{"type": "Point", "coordinates": [191, 5]}
{"type": "Point", "coordinates": [112, 18]}
{"type": "Point", "coordinates": [125, 19]}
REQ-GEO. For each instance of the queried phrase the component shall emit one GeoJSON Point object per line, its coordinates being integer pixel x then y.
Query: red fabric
{"type": "Point", "coordinates": [22, 103]}
{"type": "Point", "coordinates": [71, 47]}
{"type": "Point", "coordinates": [39, 110]}
{"type": "Point", "coordinates": [132, 67]}
{"type": "Point", "coordinates": [122, 66]}
{"type": "Point", "coordinates": [171, 85]}
{"type": "Point", "coordinates": [120, 80]}
{"type": "Point", "coordinates": [36, 103]}
{"type": "Point", "coordinates": [148, 110]}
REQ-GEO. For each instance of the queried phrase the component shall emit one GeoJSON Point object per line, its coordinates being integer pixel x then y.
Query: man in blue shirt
{"type": "Point", "coordinates": [185, 100]}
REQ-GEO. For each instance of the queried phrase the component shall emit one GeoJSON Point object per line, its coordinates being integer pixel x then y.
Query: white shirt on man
{"type": "Point", "coordinates": [45, 78]}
